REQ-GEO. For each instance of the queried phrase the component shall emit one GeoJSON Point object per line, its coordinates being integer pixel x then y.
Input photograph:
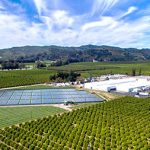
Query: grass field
{"type": "Point", "coordinates": [87, 69]}
{"type": "Point", "coordinates": [15, 115]}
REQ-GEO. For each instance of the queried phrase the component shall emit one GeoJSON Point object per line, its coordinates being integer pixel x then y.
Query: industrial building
{"type": "Point", "coordinates": [126, 84]}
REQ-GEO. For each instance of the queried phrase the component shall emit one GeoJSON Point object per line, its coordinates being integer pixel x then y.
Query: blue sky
{"type": "Point", "coordinates": [123, 23]}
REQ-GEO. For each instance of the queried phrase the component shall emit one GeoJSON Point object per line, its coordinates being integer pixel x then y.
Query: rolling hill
{"type": "Point", "coordinates": [86, 53]}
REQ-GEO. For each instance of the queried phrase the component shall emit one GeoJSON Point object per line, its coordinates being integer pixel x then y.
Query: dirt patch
{"type": "Point", "coordinates": [68, 107]}
{"type": "Point", "coordinates": [107, 96]}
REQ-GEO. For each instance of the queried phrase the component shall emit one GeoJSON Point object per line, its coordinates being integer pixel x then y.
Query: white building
{"type": "Point", "coordinates": [121, 85]}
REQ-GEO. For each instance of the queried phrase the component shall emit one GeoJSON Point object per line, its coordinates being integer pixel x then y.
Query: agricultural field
{"type": "Point", "coordinates": [117, 125]}
{"type": "Point", "coordinates": [88, 69]}
{"type": "Point", "coordinates": [24, 77]}
{"type": "Point", "coordinates": [15, 115]}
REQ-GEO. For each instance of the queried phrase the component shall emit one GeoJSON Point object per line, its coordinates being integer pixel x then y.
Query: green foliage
{"type": "Point", "coordinates": [133, 72]}
{"type": "Point", "coordinates": [12, 65]}
{"type": "Point", "coordinates": [40, 64]}
{"type": "Point", "coordinates": [114, 125]}
{"type": "Point", "coordinates": [140, 72]}
{"type": "Point", "coordinates": [64, 76]}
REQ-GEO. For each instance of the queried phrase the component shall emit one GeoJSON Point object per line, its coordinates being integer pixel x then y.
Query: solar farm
{"type": "Point", "coordinates": [45, 96]}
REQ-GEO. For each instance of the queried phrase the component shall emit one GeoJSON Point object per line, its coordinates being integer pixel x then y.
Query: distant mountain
{"type": "Point", "coordinates": [74, 54]}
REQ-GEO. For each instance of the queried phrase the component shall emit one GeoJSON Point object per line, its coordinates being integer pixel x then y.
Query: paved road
{"type": "Point", "coordinates": [129, 94]}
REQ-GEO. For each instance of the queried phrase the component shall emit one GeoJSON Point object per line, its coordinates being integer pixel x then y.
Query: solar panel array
{"type": "Point", "coordinates": [45, 96]}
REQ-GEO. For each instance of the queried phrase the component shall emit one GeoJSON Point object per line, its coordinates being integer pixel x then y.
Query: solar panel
{"type": "Point", "coordinates": [36, 91]}
{"type": "Point", "coordinates": [13, 102]}
{"type": "Point", "coordinates": [1, 93]}
{"type": "Point", "coordinates": [5, 98]}
{"type": "Point", "coordinates": [26, 94]}
{"type": "Point", "coordinates": [27, 91]}
{"type": "Point", "coordinates": [3, 102]}
{"type": "Point", "coordinates": [7, 94]}
{"type": "Point", "coordinates": [15, 97]}
{"type": "Point", "coordinates": [57, 96]}
{"type": "Point", "coordinates": [24, 102]}
{"type": "Point", "coordinates": [45, 96]}
{"type": "Point", "coordinates": [25, 97]}
{"type": "Point", "coordinates": [46, 101]}
{"type": "Point", "coordinates": [46, 93]}
{"type": "Point", "coordinates": [79, 99]}
{"type": "Point", "coordinates": [36, 97]}
{"type": "Point", "coordinates": [18, 92]}
{"type": "Point", "coordinates": [39, 101]}
{"type": "Point", "coordinates": [56, 101]}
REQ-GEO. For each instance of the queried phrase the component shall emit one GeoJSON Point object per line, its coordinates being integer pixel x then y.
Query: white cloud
{"type": "Point", "coordinates": [40, 5]}
{"type": "Point", "coordinates": [44, 7]}
{"type": "Point", "coordinates": [56, 17]}
{"type": "Point", "coordinates": [17, 31]}
{"type": "Point", "coordinates": [60, 17]}
{"type": "Point", "coordinates": [104, 22]}
{"type": "Point", "coordinates": [125, 34]}
{"type": "Point", "coordinates": [103, 5]}
{"type": "Point", "coordinates": [130, 11]}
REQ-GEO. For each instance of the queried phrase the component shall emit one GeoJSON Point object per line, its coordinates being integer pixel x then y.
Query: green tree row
{"type": "Point", "coordinates": [116, 125]}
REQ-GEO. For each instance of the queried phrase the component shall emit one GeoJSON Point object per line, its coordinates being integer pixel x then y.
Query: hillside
{"type": "Point", "coordinates": [116, 125]}
{"type": "Point", "coordinates": [74, 54]}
